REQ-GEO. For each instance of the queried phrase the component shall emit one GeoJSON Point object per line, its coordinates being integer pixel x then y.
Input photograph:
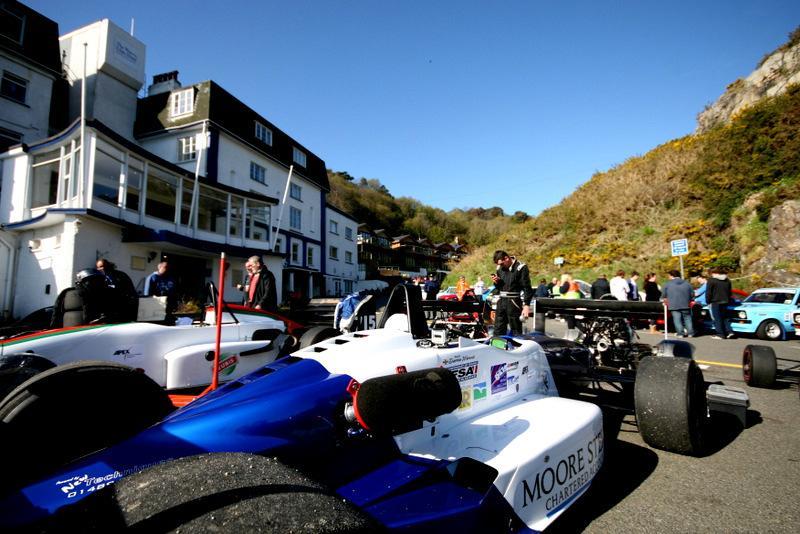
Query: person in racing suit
{"type": "Point", "coordinates": [513, 281]}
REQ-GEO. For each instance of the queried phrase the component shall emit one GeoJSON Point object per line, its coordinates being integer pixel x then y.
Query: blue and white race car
{"type": "Point", "coordinates": [767, 313]}
{"type": "Point", "coordinates": [400, 427]}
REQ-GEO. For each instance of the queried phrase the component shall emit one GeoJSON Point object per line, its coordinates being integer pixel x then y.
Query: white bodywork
{"type": "Point", "coordinates": [545, 449]}
{"type": "Point", "coordinates": [173, 356]}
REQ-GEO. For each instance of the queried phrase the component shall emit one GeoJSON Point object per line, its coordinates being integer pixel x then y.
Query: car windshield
{"type": "Point", "coordinates": [771, 297]}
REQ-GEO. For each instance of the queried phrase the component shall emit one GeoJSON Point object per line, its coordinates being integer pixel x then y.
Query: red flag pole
{"type": "Point", "coordinates": [220, 296]}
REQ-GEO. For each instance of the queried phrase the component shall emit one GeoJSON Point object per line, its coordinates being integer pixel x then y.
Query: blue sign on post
{"type": "Point", "coordinates": [680, 247]}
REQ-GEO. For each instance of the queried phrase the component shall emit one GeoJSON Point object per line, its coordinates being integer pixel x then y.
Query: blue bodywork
{"type": "Point", "coordinates": [291, 409]}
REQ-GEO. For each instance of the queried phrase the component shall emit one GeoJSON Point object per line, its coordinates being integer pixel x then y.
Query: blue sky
{"type": "Point", "coordinates": [460, 103]}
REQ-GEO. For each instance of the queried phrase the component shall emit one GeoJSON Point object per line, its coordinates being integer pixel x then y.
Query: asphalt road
{"type": "Point", "coordinates": [748, 482]}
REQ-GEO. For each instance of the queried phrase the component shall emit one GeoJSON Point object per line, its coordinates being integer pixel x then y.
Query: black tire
{"type": "Point", "coordinates": [759, 366]}
{"type": "Point", "coordinates": [316, 334]}
{"type": "Point", "coordinates": [675, 348]}
{"type": "Point", "coordinates": [72, 410]}
{"type": "Point", "coordinates": [770, 330]}
{"type": "Point", "coordinates": [231, 492]}
{"type": "Point", "coordinates": [17, 368]}
{"type": "Point", "coordinates": [670, 402]}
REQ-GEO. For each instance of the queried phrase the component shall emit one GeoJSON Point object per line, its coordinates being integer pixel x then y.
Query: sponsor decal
{"type": "Point", "coordinates": [128, 352]}
{"type": "Point", "coordinates": [85, 484]}
{"type": "Point", "coordinates": [466, 399]}
{"type": "Point", "coordinates": [459, 358]}
{"type": "Point", "coordinates": [227, 364]}
{"type": "Point", "coordinates": [465, 371]}
{"type": "Point", "coordinates": [479, 392]}
{"type": "Point", "coordinates": [499, 378]}
{"type": "Point", "coordinates": [512, 366]}
{"type": "Point", "coordinates": [556, 483]}
{"type": "Point", "coordinates": [525, 370]}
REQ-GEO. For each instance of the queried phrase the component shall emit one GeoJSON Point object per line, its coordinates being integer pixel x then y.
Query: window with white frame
{"type": "Point", "coordinates": [295, 252]}
{"type": "Point", "coordinates": [333, 227]}
{"type": "Point", "coordinates": [299, 157]}
{"type": "Point", "coordinates": [9, 138]}
{"type": "Point", "coordinates": [348, 233]}
{"type": "Point", "coordinates": [182, 103]}
{"type": "Point", "coordinates": [278, 245]}
{"type": "Point", "coordinates": [186, 148]}
{"type": "Point", "coordinates": [263, 134]}
{"type": "Point", "coordinates": [348, 257]}
{"type": "Point", "coordinates": [333, 252]}
{"type": "Point", "coordinates": [310, 257]}
{"type": "Point", "coordinates": [258, 173]}
{"type": "Point", "coordinates": [296, 192]}
{"type": "Point", "coordinates": [348, 286]}
{"type": "Point", "coordinates": [13, 87]}
{"type": "Point", "coordinates": [295, 218]}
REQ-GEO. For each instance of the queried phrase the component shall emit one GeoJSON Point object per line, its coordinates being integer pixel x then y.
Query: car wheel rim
{"type": "Point", "coordinates": [773, 331]}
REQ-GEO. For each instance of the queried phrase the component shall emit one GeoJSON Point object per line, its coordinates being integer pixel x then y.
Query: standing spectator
{"type": "Point", "coordinates": [161, 284]}
{"type": "Point", "coordinates": [619, 286]}
{"type": "Point", "coordinates": [479, 287]}
{"type": "Point", "coordinates": [600, 287]}
{"type": "Point", "coordinates": [245, 285]}
{"type": "Point", "coordinates": [718, 295]}
{"type": "Point", "coordinates": [461, 287]}
{"type": "Point", "coordinates": [431, 288]}
{"type": "Point", "coordinates": [566, 281]}
{"type": "Point", "coordinates": [700, 292]}
{"type": "Point", "coordinates": [514, 283]}
{"type": "Point", "coordinates": [678, 296]}
{"type": "Point", "coordinates": [652, 293]}
{"type": "Point", "coordinates": [542, 290]}
{"type": "Point", "coordinates": [121, 292]}
{"type": "Point", "coordinates": [552, 287]}
{"type": "Point", "coordinates": [262, 294]}
{"type": "Point", "coordinates": [633, 289]}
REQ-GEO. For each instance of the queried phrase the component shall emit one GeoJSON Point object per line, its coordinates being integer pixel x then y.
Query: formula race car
{"type": "Point", "coordinates": [661, 385]}
{"type": "Point", "coordinates": [402, 427]}
{"type": "Point", "coordinates": [174, 356]}
{"type": "Point", "coordinates": [395, 427]}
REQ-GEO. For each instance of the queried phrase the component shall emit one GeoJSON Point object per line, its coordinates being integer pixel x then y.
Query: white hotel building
{"type": "Point", "coordinates": [129, 195]}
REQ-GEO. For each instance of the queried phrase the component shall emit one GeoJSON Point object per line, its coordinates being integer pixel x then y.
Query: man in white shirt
{"type": "Point", "coordinates": [619, 286]}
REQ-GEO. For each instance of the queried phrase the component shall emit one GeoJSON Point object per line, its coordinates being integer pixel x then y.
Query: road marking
{"type": "Point", "coordinates": [721, 364]}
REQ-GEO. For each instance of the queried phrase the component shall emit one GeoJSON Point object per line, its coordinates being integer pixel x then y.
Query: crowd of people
{"type": "Point", "coordinates": [513, 286]}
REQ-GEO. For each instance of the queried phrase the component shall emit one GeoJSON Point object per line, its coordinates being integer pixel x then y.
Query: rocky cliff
{"type": "Point", "coordinates": [777, 71]}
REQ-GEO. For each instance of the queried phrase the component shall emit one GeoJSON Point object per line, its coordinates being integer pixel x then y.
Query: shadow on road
{"type": "Point", "coordinates": [625, 467]}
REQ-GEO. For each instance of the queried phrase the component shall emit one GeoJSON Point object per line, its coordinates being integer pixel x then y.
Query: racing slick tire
{"type": "Point", "coordinates": [675, 348]}
{"type": "Point", "coordinates": [17, 368]}
{"type": "Point", "coordinates": [223, 492]}
{"type": "Point", "coordinates": [71, 410]}
{"type": "Point", "coordinates": [759, 366]}
{"type": "Point", "coordinates": [670, 403]}
{"type": "Point", "coordinates": [770, 330]}
{"type": "Point", "coordinates": [316, 334]}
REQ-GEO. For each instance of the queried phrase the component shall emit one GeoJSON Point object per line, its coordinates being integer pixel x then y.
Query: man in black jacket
{"type": "Point", "coordinates": [718, 295]}
{"type": "Point", "coordinates": [262, 293]}
{"type": "Point", "coordinates": [600, 287]}
{"type": "Point", "coordinates": [513, 281]}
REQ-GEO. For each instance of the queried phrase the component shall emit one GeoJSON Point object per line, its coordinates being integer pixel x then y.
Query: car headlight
{"type": "Point", "coordinates": [742, 315]}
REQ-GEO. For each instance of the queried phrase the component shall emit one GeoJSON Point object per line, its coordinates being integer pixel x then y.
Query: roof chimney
{"type": "Point", "coordinates": [164, 83]}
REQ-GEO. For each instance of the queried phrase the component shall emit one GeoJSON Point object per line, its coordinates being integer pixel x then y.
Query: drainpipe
{"type": "Point", "coordinates": [8, 277]}
{"type": "Point", "coordinates": [280, 213]}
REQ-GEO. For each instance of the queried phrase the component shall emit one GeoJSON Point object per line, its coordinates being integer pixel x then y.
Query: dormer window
{"type": "Point", "coordinates": [182, 103]}
{"type": "Point", "coordinates": [299, 156]}
{"type": "Point", "coordinates": [263, 134]}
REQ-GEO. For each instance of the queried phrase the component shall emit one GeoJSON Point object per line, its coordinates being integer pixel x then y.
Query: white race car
{"type": "Point", "coordinates": [175, 357]}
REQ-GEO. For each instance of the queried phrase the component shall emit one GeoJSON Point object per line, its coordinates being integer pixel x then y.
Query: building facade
{"type": "Point", "coordinates": [182, 174]}
{"type": "Point", "coordinates": [341, 265]}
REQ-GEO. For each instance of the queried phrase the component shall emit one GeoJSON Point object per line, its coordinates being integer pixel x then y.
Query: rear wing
{"type": "Point", "coordinates": [601, 308]}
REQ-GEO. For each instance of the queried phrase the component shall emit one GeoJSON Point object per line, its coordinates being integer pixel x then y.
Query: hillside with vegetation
{"type": "Point", "coordinates": [732, 189]}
